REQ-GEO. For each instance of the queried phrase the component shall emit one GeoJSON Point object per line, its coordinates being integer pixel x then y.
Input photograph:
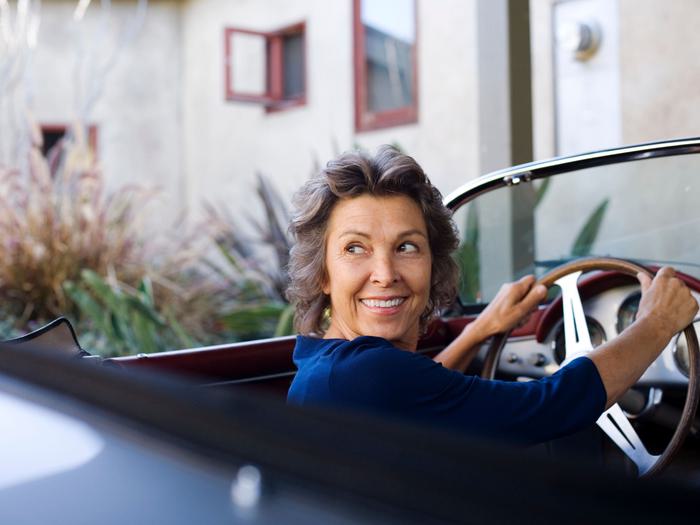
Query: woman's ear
{"type": "Point", "coordinates": [325, 283]}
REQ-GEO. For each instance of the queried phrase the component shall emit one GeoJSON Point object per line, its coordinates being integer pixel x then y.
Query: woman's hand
{"type": "Point", "coordinates": [666, 307]}
{"type": "Point", "coordinates": [666, 301]}
{"type": "Point", "coordinates": [512, 304]}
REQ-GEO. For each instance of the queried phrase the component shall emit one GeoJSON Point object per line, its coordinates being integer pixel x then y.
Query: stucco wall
{"type": "Point", "coordinates": [655, 57]}
{"type": "Point", "coordinates": [138, 113]}
{"type": "Point", "coordinates": [163, 119]}
{"type": "Point", "coordinates": [659, 69]}
{"type": "Point", "coordinates": [226, 143]}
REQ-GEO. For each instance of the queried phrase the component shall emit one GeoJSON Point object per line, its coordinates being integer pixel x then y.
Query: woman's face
{"type": "Point", "coordinates": [378, 264]}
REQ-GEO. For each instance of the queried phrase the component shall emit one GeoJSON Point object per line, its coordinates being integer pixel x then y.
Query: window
{"type": "Point", "coordinates": [52, 135]}
{"type": "Point", "coordinates": [266, 68]}
{"type": "Point", "coordinates": [385, 63]}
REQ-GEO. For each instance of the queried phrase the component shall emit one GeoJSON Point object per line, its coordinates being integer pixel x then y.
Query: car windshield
{"type": "Point", "coordinates": [645, 210]}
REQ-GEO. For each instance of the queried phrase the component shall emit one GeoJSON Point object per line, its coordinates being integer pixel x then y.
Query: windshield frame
{"type": "Point", "coordinates": [532, 171]}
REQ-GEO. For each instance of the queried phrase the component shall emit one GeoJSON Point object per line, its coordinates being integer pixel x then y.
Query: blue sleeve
{"type": "Point", "coordinates": [409, 385]}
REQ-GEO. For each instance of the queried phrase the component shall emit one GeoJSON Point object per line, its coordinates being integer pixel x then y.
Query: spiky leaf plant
{"type": "Point", "coordinates": [56, 220]}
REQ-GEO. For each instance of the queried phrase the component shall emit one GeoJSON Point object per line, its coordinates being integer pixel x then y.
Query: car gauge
{"type": "Point", "coordinates": [680, 353]}
{"type": "Point", "coordinates": [628, 311]}
{"type": "Point", "coordinates": [595, 330]}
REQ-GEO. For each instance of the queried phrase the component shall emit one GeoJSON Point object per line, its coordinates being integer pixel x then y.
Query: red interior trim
{"type": "Point", "coordinates": [222, 362]}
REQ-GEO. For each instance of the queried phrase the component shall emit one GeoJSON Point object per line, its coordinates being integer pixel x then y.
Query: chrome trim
{"type": "Point", "coordinates": [653, 399]}
{"type": "Point", "coordinates": [243, 380]}
{"type": "Point", "coordinates": [558, 165]}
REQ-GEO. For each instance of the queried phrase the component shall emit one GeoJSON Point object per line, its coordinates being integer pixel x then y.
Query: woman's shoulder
{"type": "Point", "coordinates": [366, 352]}
{"type": "Point", "coordinates": [358, 346]}
{"type": "Point", "coordinates": [310, 345]}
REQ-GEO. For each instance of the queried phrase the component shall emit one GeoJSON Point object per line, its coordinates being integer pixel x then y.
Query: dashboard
{"type": "Point", "coordinates": [608, 313]}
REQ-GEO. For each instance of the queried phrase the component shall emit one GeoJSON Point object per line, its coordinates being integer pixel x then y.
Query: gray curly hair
{"type": "Point", "coordinates": [352, 174]}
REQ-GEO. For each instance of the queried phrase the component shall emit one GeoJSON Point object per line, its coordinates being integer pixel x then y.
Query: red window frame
{"type": "Point", "coordinates": [273, 98]}
{"type": "Point", "coordinates": [366, 120]}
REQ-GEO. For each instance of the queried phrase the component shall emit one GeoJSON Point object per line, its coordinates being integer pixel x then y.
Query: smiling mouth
{"type": "Point", "coordinates": [381, 303]}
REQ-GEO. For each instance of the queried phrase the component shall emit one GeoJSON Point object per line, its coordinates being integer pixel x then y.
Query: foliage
{"type": "Point", "coordinates": [587, 236]}
{"type": "Point", "coordinates": [541, 190]}
{"type": "Point", "coordinates": [61, 232]}
{"type": "Point", "coordinates": [467, 257]}
{"type": "Point", "coordinates": [56, 220]}
{"type": "Point", "coordinates": [67, 247]}
{"type": "Point", "coordinates": [256, 267]}
{"type": "Point", "coordinates": [126, 319]}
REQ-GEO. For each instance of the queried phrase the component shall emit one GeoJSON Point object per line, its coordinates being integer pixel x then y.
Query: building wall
{"type": "Point", "coordinates": [226, 143]}
{"type": "Point", "coordinates": [163, 119]}
{"type": "Point", "coordinates": [138, 111]}
{"type": "Point", "coordinates": [654, 48]}
{"type": "Point", "coordinates": [659, 69]}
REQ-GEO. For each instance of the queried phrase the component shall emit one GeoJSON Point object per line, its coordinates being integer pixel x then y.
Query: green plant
{"type": "Point", "coordinates": [587, 236]}
{"type": "Point", "coordinates": [467, 257]}
{"type": "Point", "coordinates": [57, 220]}
{"type": "Point", "coordinates": [69, 248]}
{"type": "Point", "coordinates": [254, 267]}
{"type": "Point", "coordinates": [127, 319]}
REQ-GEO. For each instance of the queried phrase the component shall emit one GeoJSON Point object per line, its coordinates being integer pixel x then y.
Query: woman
{"type": "Point", "coordinates": [371, 265]}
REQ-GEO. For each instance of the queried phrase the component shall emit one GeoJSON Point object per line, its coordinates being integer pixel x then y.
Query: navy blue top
{"type": "Point", "coordinates": [369, 373]}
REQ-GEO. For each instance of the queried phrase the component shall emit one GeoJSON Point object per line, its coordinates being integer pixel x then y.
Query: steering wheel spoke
{"type": "Point", "coordinates": [618, 428]}
{"type": "Point", "coordinates": [576, 335]}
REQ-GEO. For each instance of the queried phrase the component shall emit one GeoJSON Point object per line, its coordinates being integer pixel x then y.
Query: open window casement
{"type": "Point", "coordinates": [266, 68]}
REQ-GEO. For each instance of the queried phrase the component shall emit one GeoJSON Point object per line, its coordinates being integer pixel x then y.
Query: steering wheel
{"type": "Point", "coordinates": [613, 421]}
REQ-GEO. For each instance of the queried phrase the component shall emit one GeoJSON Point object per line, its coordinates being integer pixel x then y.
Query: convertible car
{"type": "Point", "coordinates": [204, 435]}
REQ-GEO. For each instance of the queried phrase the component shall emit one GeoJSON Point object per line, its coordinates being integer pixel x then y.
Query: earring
{"type": "Point", "coordinates": [325, 318]}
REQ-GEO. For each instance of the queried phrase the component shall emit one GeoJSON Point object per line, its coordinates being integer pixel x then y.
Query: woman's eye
{"type": "Point", "coordinates": [355, 249]}
{"type": "Point", "coordinates": [408, 247]}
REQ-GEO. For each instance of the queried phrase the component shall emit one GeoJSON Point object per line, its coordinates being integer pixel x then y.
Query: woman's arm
{"type": "Point", "coordinates": [666, 308]}
{"type": "Point", "coordinates": [511, 305]}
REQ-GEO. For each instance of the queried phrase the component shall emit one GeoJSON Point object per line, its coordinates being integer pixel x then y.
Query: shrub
{"type": "Point", "coordinates": [69, 248]}
{"type": "Point", "coordinates": [57, 220]}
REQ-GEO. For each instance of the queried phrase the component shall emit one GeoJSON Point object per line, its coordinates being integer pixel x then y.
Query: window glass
{"type": "Point", "coordinates": [51, 137]}
{"type": "Point", "coordinates": [389, 39]}
{"type": "Point", "coordinates": [532, 227]}
{"type": "Point", "coordinates": [248, 63]}
{"type": "Point", "coordinates": [293, 52]}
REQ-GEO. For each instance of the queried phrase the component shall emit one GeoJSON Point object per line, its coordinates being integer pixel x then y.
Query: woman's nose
{"type": "Point", "coordinates": [384, 271]}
